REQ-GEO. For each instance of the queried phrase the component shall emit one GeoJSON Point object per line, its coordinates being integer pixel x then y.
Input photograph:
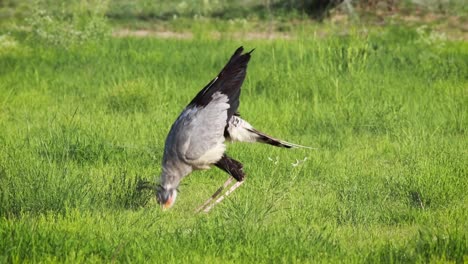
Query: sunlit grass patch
{"type": "Point", "coordinates": [81, 128]}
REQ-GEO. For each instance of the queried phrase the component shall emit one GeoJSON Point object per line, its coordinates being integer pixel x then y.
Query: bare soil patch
{"type": "Point", "coordinates": [452, 27]}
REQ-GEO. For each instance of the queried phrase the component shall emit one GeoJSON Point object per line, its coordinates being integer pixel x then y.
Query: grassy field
{"type": "Point", "coordinates": [81, 125]}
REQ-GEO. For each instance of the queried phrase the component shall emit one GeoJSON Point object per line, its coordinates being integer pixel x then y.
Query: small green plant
{"type": "Point", "coordinates": [71, 24]}
{"type": "Point", "coordinates": [8, 45]}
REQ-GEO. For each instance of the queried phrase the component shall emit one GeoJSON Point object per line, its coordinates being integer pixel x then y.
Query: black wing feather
{"type": "Point", "coordinates": [228, 82]}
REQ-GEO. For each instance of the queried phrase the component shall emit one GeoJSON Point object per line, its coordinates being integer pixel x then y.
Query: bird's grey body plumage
{"type": "Point", "coordinates": [197, 138]}
{"type": "Point", "coordinates": [195, 141]}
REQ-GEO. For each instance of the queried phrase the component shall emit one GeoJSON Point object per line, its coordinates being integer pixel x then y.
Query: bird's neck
{"type": "Point", "coordinates": [172, 174]}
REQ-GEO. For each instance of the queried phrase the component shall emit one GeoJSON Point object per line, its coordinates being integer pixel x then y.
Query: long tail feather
{"type": "Point", "coordinates": [264, 138]}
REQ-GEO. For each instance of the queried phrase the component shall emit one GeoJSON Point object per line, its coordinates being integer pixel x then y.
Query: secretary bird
{"type": "Point", "coordinates": [196, 139]}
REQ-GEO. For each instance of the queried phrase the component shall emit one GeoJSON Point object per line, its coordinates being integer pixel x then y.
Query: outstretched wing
{"type": "Point", "coordinates": [198, 133]}
{"type": "Point", "coordinates": [228, 82]}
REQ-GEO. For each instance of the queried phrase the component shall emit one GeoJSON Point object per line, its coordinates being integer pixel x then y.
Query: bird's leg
{"type": "Point", "coordinates": [231, 190]}
{"type": "Point", "coordinates": [234, 168]}
{"type": "Point", "coordinates": [226, 184]}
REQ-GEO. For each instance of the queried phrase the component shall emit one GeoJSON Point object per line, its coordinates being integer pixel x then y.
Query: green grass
{"type": "Point", "coordinates": [81, 126]}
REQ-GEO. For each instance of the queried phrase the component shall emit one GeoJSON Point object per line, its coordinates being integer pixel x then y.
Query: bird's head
{"type": "Point", "coordinates": [166, 196]}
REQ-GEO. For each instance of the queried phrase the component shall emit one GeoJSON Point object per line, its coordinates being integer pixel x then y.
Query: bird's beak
{"type": "Point", "coordinates": [168, 204]}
